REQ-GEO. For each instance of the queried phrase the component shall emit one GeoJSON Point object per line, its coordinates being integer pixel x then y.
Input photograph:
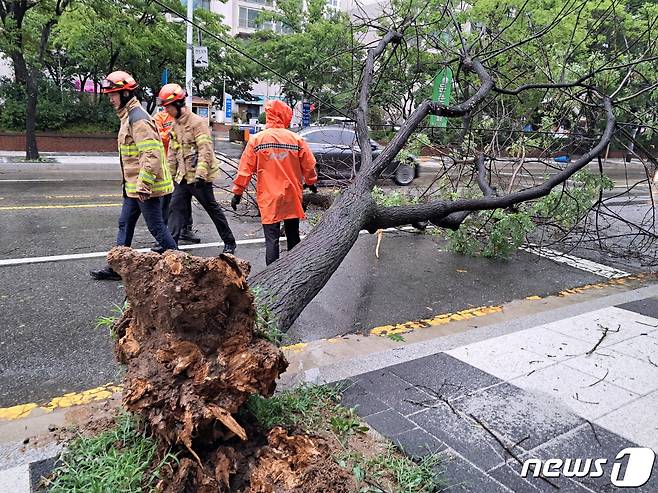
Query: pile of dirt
{"type": "Point", "coordinates": [192, 359]}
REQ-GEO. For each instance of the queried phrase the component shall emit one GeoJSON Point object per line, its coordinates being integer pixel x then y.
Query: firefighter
{"type": "Point", "coordinates": [165, 123]}
{"type": "Point", "coordinates": [146, 177]}
{"type": "Point", "coordinates": [281, 158]}
{"type": "Point", "coordinates": [193, 165]}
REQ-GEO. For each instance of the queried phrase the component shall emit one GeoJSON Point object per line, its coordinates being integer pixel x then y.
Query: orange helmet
{"type": "Point", "coordinates": [171, 93]}
{"type": "Point", "coordinates": [118, 81]}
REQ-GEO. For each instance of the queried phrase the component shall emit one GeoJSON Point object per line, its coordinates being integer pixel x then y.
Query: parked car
{"type": "Point", "coordinates": [339, 157]}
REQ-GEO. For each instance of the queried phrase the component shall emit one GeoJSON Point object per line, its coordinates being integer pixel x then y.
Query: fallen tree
{"type": "Point", "coordinates": [293, 281]}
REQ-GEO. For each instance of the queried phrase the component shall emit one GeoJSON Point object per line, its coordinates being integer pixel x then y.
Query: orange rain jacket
{"type": "Point", "coordinates": [280, 158]}
{"type": "Point", "coordinates": [165, 123]}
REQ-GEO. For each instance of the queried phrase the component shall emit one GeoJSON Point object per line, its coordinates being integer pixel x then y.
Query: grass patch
{"type": "Point", "coordinates": [109, 321]}
{"type": "Point", "coordinates": [391, 471]}
{"type": "Point", "coordinates": [266, 326]}
{"type": "Point", "coordinates": [118, 460]}
{"type": "Point", "coordinates": [304, 407]}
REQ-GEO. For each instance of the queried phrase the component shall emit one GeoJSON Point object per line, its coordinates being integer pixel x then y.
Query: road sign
{"type": "Point", "coordinates": [441, 94]}
{"type": "Point", "coordinates": [201, 56]}
{"type": "Point", "coordinates": [228, 107]}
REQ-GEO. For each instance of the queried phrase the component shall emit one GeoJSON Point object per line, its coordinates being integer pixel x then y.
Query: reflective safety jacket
{"type": "Point", "coordinates": [191, 152]}
{"type": "Point", "coordinates": [142, 155]}
{"type": "Point", "coordinates": [164, 122]}
{"type": "Point", "coordinates": [279, 158]}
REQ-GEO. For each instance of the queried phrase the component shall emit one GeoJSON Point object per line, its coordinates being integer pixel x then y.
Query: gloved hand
{"type": "Point", "coordinates": [199, 182]}
{"type": "Point", "coordinates": [235, 201]}
{"type": "Point", "coordinates": [312, 188]}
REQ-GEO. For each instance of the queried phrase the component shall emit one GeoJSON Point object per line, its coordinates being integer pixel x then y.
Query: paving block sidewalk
{"type": "Point", "coordinates": [582, 387]}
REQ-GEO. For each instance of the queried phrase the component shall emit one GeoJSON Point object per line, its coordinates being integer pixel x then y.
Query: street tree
{"type": "Point", "coordinates": [25, 35]}
{"type": "Point", "coordinates": [314, 46]}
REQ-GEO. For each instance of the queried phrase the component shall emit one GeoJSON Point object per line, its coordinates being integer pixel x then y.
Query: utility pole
{"type": "Point", "coordinates": [188, 54]}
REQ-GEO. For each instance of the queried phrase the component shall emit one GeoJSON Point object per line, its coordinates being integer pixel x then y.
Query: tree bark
{"type": "Point", "coordinates": [29, 83]}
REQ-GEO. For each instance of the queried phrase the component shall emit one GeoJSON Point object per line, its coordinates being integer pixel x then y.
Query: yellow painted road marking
{"type": "Point", "coordinates": [620, 281]}
{"type": "Point", "coordinates": [71, 206]}
{"type": "Point", "coordinates": [81, 196]}
{"type": "Point", "coordinates": [16, 412]}
{"type": "Point", "coordinates": [295, 348]}
{"type": "Point", "coordinates": [66, 400]}
{"type": "Point", "coordinates": [444, 318]}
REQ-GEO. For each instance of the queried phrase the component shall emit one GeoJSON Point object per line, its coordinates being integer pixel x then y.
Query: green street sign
{"type": "Point", "coordinates": [441, 94]}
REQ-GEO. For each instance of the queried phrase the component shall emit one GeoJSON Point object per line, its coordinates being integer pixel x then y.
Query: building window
{"type": "Point", "coordinates": [249, 18]}
{"type": "Point", "coordinates": [199, 4]}
{"type": "Point", "coordinates": [334, 4]}
{"type": "Point", "coordinates": [261, 2]}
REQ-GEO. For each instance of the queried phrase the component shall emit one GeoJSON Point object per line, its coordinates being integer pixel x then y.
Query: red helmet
{"type": "Point", "coordinates": [171, 93]}
{"type": "Point", "coordinates": [118, 81]}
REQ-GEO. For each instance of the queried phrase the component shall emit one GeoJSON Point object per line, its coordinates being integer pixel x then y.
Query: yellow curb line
{"type": "Point", "coordinates": [66, 400]}
{"type": "Point", "coordinates": [444, 318]}
{"type": "Point", "coordinates": [106, 391]}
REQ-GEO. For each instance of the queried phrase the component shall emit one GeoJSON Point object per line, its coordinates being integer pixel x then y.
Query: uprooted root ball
{"type": "Point", "coordinates": [192, 359]}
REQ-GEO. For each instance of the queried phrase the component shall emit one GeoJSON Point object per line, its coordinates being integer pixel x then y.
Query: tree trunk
{"type": "Point", "coordinates": [28, 80]}
{"type": "Point", "coordinates": [31, 149]}
{"type": "Point", "coordinates": [293, 281]}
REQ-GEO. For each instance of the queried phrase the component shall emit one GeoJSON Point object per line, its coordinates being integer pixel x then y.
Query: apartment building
{"type": "Point", "coordinates": [242, 15]}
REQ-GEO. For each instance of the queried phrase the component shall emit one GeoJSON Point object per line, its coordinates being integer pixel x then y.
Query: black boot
{"type": "Point", "coordinates": [229, 249]}
{"type": "Point", "coordinates": [105, 274]}
{"type": "Point", "coordinates": [188, 235]}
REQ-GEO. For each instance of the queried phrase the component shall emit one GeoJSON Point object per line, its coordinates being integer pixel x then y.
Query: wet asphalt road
{"type": "Point", "coordinates": [49, 343]}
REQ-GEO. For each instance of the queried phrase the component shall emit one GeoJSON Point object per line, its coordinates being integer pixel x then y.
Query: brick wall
{"type": "Point", "coordinates": [54, 142]}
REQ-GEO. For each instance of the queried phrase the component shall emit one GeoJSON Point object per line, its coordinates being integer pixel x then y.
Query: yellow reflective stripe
{"type": "Point", "coordinates": [202, 165]}
{"type": "Point", "coordinates": [146, 142]}
{"type": "Point", "coordinates": [128, 150]}
{"type": "Point", "coordinates": [150, 145]}
{"type": "Point", "coordinates": [202, 139]}
{"type": "Point", "coordinates": [160, 186]}
{"type": "Point", "coordinates": [146, 176]}
{"type": "Point", "coordinates": [165, 187]}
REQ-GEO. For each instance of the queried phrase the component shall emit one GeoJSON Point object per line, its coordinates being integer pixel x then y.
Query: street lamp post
{"type": "Point", "coordinates": [188, 54]}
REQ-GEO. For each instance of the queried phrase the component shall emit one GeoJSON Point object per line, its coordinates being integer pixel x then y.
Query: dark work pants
{"type": "Point", "coordinates": [178, 209]}
{"type": "Point", "coordinates": [272, 233]}
{"type": "Point", "coordinates": [166, 202]}
{"type": "Point", "coordinates": [151, 209]}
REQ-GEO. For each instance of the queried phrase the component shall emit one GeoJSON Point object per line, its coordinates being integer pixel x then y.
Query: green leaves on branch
{"type": "Point", "coordinates": [499, 233]}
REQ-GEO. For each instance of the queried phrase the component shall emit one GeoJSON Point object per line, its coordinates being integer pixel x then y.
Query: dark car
{"type": "Point", "coordinates": [339, 156]}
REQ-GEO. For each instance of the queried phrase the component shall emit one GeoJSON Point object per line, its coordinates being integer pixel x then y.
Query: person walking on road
{"type": "Point", "coordinates": [193, 164]}
{"type": "Point", "coordinates": [165, 123]}
{"type": "Point", "coordinates": [146, 177]}
{"type": "Point", "coordinates": [280, 158]}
